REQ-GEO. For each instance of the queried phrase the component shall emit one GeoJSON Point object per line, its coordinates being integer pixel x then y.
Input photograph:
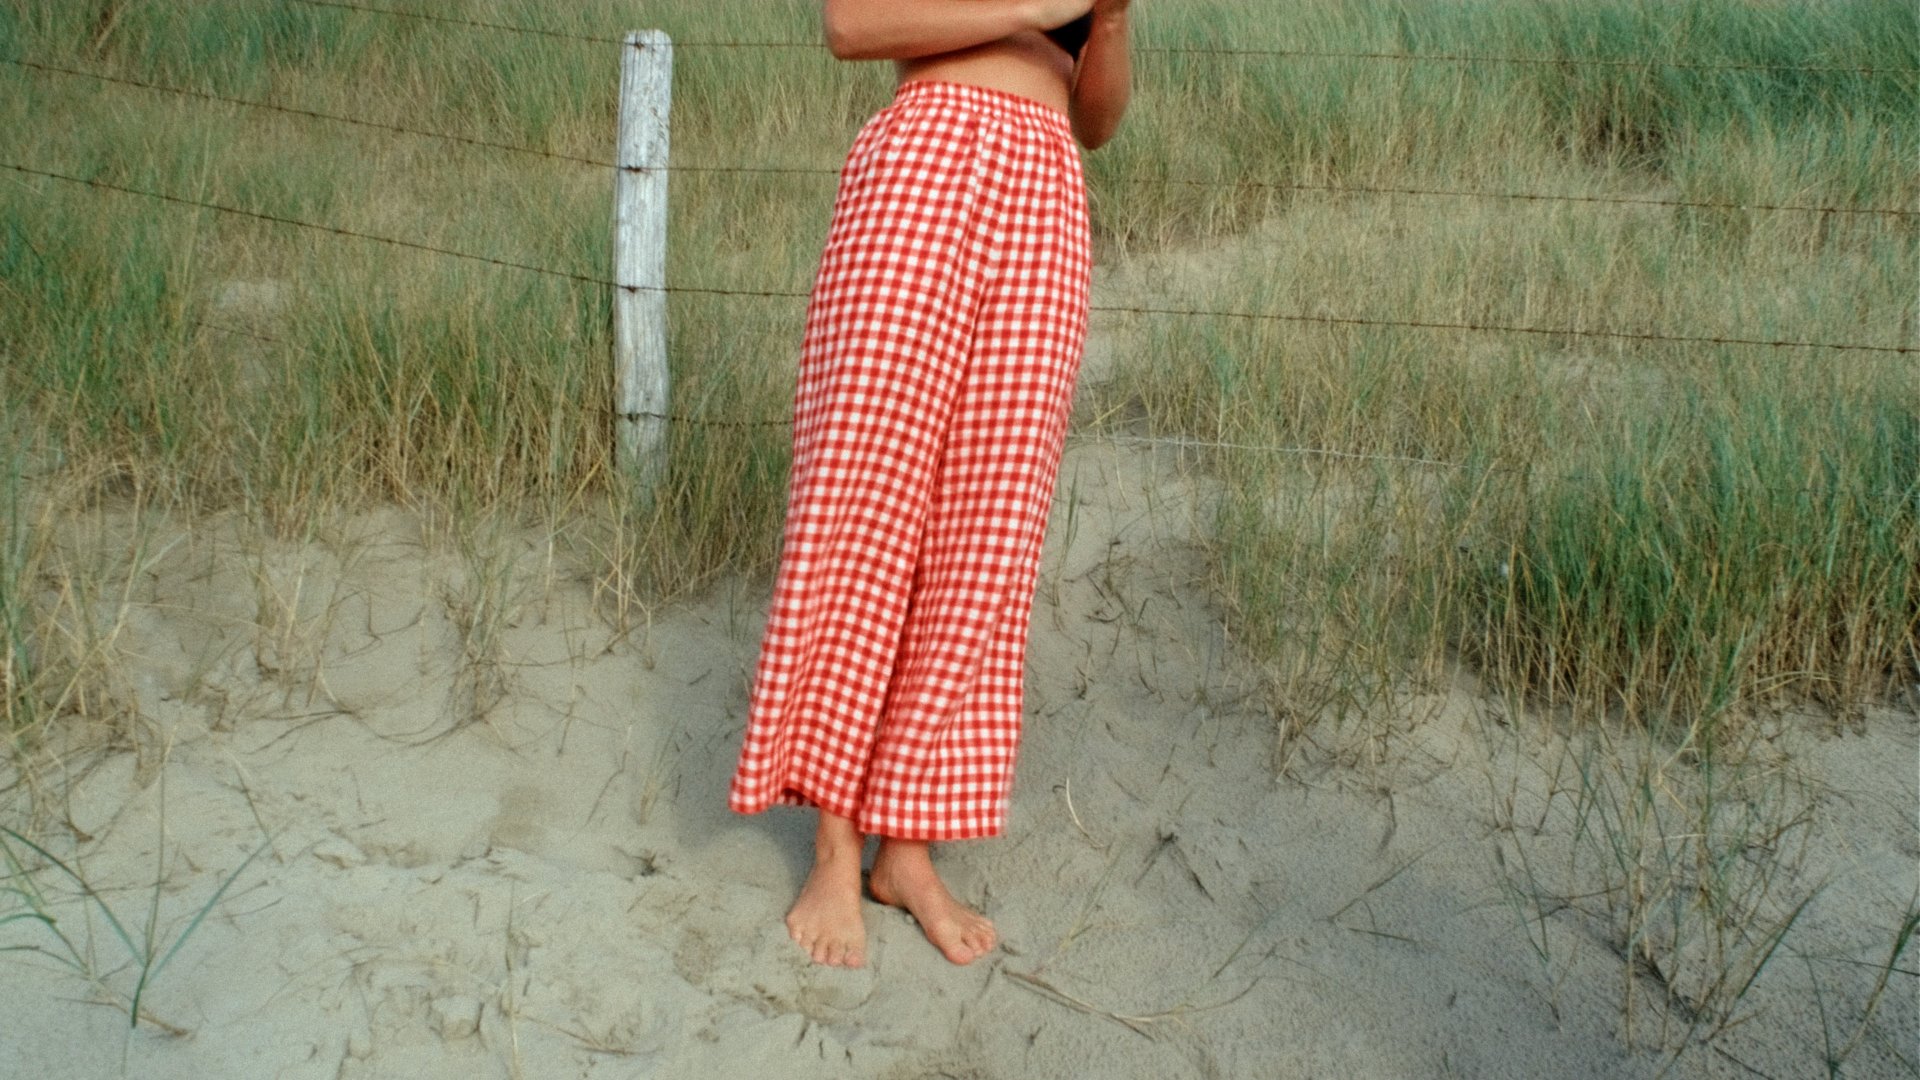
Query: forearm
{"type": "Point", "coordinates": [1104, 83]}
{"type": "Point", "coordinates": [904, 29]}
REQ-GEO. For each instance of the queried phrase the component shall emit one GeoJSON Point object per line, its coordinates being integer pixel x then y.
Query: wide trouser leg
{"type": "Point", "coordinates": [942, 342]}
{"type": "Point", "coordinates": [943, 764]}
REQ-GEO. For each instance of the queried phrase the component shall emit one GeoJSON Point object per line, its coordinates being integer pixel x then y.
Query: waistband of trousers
{"type": "Point", "coordinates": [984, 99]}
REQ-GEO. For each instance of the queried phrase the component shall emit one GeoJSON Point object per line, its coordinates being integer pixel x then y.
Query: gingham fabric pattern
{"type": "Point", "coordinates": [943, 337]}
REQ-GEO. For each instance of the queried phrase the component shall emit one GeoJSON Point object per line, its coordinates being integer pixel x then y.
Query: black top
{"type": "Point", "coordinates": [1073, 36]}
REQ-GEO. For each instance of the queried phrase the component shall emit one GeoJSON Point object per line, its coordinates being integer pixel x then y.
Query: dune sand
{"type": "Point", "coordinates": [527, 870]}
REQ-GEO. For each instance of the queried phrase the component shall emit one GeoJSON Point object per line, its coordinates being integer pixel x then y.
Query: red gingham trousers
{"type": "Point", "coordinates": [943, 337]}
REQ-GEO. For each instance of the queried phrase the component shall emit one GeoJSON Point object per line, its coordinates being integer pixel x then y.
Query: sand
{"type": "Point", "coordinates": [525, 868]}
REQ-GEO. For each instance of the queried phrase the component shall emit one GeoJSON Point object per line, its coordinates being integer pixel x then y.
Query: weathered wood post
{"type": "Point", "coordinates": [640, 256]}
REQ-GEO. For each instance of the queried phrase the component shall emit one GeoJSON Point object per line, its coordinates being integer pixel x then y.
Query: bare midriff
{"type": "Point", "coordinates": [1025, 63]}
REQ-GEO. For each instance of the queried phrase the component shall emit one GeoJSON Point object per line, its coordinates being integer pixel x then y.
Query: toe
{"type": "Point", "coordinates": [977, 932]}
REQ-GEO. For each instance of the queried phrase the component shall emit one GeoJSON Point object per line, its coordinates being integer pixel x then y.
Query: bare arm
{"type": "Point", "coordinates": [1104, 81]}
{"type": "Point", "coordinates": [905, 29]}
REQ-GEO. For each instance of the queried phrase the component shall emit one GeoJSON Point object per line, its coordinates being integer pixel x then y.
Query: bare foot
{"type": "Point", "coordinates": [903, 876]}
{"type": "Point", "coordinates": [825, 920]}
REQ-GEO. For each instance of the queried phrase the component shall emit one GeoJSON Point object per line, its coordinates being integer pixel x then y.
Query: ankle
{"type": "Point", "coordinates": [904, 857]}
{"type": "Point", "coordinates": [836, 840]}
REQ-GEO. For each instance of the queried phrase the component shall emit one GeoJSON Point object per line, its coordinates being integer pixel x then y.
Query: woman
{"type": "Point", "coordinates": [942, 341]}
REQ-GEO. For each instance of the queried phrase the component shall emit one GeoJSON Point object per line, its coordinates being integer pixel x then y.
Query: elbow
{"type": "Point", "coordinates": [844, 40]}
{"type": "Point", "coordinates": [1096, 115]}
{"type": "Point", "coordinates": [1094, 138]}
{"type": "Point", "coordinates": [839, 44]}
{"type": "Point", "coordinates": [1094, 128]}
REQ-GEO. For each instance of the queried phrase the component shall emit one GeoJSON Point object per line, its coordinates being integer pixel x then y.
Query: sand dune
{"type": "Point", "coordinates": [525, 868]}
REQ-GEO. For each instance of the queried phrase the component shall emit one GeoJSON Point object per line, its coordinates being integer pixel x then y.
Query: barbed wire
{"type": "Point", "coordinates": [703, 421]}
{"type": "Point", "coordinates": [397, 129]}
{"type": "Point", "coordinates": [454, 21]}
{"type": "Point", "coordinates": [1328, 320]}
{"type": "Point", "coordinates": [269, 106]}
{"type": "Point", "coordinates": [1075, 438]}
{"type": "Point", "coordinates": [1187, 443]}
{"type": "Point", "coordinates": [1198, 50]}
{"type": "Point", "coordinates": [823, 171]}
{"type": "Point", "coordinates": [1526, 196]}
{"type": "Point", "coordinates": [1543, 61]}
{"type": "Point", "coordinates": [1072, 438]}
{"type": "Point", "coordinates": [278, 220]}
{"type": "Point", "coordinates": [1180, 442]}
{"type": "Point", "coordinates": [1501, 328]}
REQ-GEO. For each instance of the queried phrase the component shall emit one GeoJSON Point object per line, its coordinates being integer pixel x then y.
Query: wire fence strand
{"type": "Point", "coordinates": [104, 185]}
{"type": "Point", "coordinates": [1115, 309]}
{"type": "Point", "coordinates": [312, 114]}
{"type": "Point", "coordinates": [1086, 438]}
{"type": "Point", "coordinates": [1643, 63]}
{"type": "Point", "coordinates": [1503, 328]}
{"type": "Point", "coordinates": [1077, 438]}
{"type": "Point", "coordinates": [396, 129]}
{"type": "Point", "coordinates": [1196, 50]}
{"type": "Point", "coordinates": [1531, 196]}
{"type": "Point", "coordinates": [824, 171]}
{"type": "Point", "coordinates": [455, 21]}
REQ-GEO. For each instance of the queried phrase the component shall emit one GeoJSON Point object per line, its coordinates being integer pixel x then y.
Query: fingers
{"type": "Point", "coordinates": [1056, 13]}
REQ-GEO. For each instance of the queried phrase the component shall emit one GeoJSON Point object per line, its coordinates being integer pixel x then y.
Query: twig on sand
{"type": "Point", "coordinates": [1751, 1071]}
{"type": "Point", "coordinates": [1369, 890]}
{"type": "Point", "coordinates": [1066, 790]}
{"type": "Point", "coordinates": [1139, 1025]}
{"type": "Point", "coordinates": [582, 1035]}
{"type": "Point", "coordinates": [1381, 934]}
{"type": "Point", "coordinates": [146, 1014]}
{"type": "Point", "coordinates": [509, 1007]}
{"type": "Point", "coordinates": [1167, 840]}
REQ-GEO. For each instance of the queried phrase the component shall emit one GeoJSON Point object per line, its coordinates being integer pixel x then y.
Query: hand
{"type": "Point", "coordinates": [1104, 9]}
{"type": "Point", "coordinates": [1048, 14]}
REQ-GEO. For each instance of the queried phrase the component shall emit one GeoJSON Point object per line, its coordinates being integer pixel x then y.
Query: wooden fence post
{"type": "Point", "coordinates": [640, 256]}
